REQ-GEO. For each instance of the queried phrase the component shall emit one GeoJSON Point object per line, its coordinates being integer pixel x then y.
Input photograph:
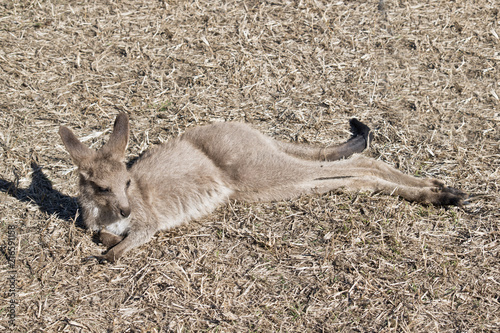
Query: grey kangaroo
{"type": "Point", "coordinates": [188, 177]}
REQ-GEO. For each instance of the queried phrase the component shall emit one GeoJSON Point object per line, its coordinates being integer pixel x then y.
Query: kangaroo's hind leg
{"type": "Point", "coordinates": [353, 175]}
{"type": "Point", "coordinates": [440, 196]}
{"type": "Point", "coordinates": [361, 173]}
{"type": "Point", "coordinates": [359, 141]}
{"type": "Point", "coordinates": [385, 171]}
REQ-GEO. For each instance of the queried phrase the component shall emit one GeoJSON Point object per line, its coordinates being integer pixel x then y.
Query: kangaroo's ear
{"type": "Point", "coordinates": [118, 140]}
{"type": "Point", "coordinates": [78, 151]}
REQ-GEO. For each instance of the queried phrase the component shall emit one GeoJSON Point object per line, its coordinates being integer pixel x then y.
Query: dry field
{"type": "Point", "coordinates": [425, 75]}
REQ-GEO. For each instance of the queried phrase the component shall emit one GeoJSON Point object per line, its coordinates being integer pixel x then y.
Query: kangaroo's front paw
{"type": "Point", "coordinates": [108, 239]}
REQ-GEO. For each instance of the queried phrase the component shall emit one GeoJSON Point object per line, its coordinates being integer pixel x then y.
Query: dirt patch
{"type": "Point", "coordinates": [423, 74]}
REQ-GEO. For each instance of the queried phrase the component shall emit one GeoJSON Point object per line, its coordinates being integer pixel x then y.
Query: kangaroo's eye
{"type": "Point", "coordinates": [128, 183]}
{"type": "Point", "coordinates": [103, 189]}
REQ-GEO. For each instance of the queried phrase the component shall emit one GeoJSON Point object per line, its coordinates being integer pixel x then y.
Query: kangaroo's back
{"type": "Point", "coordinates": [250, 160]}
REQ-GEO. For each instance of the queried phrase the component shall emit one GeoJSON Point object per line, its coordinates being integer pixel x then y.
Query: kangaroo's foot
{"type": "Point", "coordinates": [449, 196]}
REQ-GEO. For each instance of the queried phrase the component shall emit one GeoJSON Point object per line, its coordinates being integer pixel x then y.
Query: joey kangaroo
{"type": "Point", "coordinates": [188, 177]}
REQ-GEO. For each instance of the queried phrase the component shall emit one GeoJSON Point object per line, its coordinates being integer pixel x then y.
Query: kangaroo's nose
{"type": "Point", "coordinates": [125, 212]}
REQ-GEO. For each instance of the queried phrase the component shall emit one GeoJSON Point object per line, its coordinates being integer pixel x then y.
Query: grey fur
{"type": "Point", "coordinates": [191, 175]}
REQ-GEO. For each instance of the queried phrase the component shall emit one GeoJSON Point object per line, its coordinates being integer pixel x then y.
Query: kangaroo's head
{"type": "Point", "coordinates": [104, 179]}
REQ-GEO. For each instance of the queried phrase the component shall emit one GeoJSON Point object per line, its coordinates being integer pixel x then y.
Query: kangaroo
{"type": "Point", "coordinates": [190, 176]}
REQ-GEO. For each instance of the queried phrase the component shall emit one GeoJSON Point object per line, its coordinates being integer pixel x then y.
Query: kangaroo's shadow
{"type": "Point", "coordinates": [41, 192]}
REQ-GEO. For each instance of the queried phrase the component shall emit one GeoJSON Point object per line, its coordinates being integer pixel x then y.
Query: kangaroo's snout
{"type": "Point", "coordinates": [125, 212]}
{"type": "Point", "coordinates": [122, 203]}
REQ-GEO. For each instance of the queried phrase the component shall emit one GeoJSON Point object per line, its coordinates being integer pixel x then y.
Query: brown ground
{"type": "Point", "coordinates": [424, 74]}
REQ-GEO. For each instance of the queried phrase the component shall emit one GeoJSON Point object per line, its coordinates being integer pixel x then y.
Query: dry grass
{"type": "Point", "coordinates": [424, 74]}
